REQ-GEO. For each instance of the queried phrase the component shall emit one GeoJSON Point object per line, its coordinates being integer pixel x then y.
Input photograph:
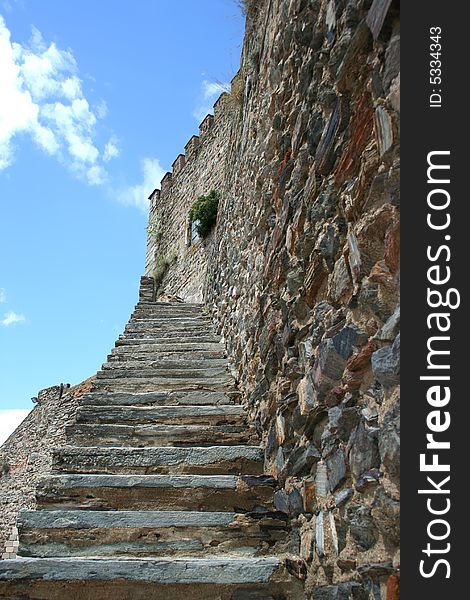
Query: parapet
{"type": "Point", "coordinates": [166, 183]}
{"type": "Point", "coordinates": [220, 104]}
{"type": "Point", "coordinates": [178, 164]}
{"type": "Point", "coordinates": [154, 198]}
{"type": "Point", "coordinates": [192, 147]}
{"type": "Point", "coordinates": [206, 125]}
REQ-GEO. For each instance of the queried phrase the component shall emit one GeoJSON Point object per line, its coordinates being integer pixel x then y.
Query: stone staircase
{"type": "Point", "coordinates": [160, 492]}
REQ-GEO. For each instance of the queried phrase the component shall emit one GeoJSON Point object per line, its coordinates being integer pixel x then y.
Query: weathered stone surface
{"type": "Point", "coordinates": [386, 364]}
{"type": "Point", "coordinates": [342, 591]}
{"type": "Point", "coordinates": [391, 328]}
{"type": "Point", "coordinates": [336, 468]}
{"type": "Point", "coordinates": [386, 515]}
{"type": "Point", "coordinates": [393, 588]}
{"type": "Point", "coordinates": [158, 435]}
{"type": "Point", "coordinates": [364, 453]}
{"type": "Point", "coordinates": [28, 451]}
{"type": "Point", "coordinates": [290, 503]}
{"type": "Point", "coordinates": [389, 442]}
{"type": "Point", "coordinates": [154, 492]}
{"type": "Point", "coordinates": [148, 533]}
{"type": "Point", "coordinates": [160, 460]}
{"type": "Point", "coordinates": [301, 460]}
{"type": "Point", "coordinates": [174, 398]}
{"type": "Point", "coordinates": [163, 384]}
{"type": "Point", "coordinates": [158, 571]}
{"type": "Point", "coordinates": [376, 15]}
{"type": "Point", "coordinates": [361, 526]}
{"type": "Point", "coordinates": [343, 496]}
{"type": "Point", "coordinates": [331, 361]}
{"type": "Point", "coordinates": [376, 570]}
{"type": "Point", "coordinates": [307, 396]}
{"type": "Point", "coordinates": [209, 415]}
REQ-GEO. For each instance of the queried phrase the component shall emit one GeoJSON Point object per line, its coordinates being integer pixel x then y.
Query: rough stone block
{"type": "Point", "coordinates": [386, 364]}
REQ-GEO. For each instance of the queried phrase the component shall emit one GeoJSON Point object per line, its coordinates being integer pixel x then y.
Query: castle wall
{"type": "Point", "coordinates": [201, 169]}
{"type": "Point", "coordinates": [303, 275]}
{"type": "Point", "coordinates": [26, 455]}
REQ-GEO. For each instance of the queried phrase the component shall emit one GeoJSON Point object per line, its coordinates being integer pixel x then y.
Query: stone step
{"type": "Point", "coordinates": [169, 349]}
{"type": "Point", "coordinates": [141, 345]}
{"type": "Point", "coordinates": [169, 305]}
{"type": "Point", "coordinates": [227, 578]}
{"type": "Point", "coordinates": [156, 492]}
{"type": "Point", "coordinates": [158, 435]}
{"type": "Point", "coordinates": [162, 460]}
{"type": "Point", "coordinates": [149, 533]}
{"type": "Point", "coordinates": [201, 374]}
{"type": "Point", "coordinates": [173, 311]}
{"type": "Point", "coordinates": [129, 355]}
{"type": "Point", "coordinates": [160, 339]}
{"type": "Point", "coordinates": [171, 321]}
{"type": "Point", "coordinates": [163, 384]}
{"type": "Point", "coordinates": [164, 398]}
{"type": "Point", "coordinates": [186, 362]}
{"type": "Point", "coordinates": [173, 317]}
{"type": "Point", "coordinates": [168, 332]}
{"type": "Point", "coordinates": [169, 415]}
{"type": "Point", "coordinates": [158, 336]}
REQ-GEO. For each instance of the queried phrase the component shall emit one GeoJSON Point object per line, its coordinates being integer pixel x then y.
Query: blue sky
{"type": "Point", "coordinates": [96, 101]}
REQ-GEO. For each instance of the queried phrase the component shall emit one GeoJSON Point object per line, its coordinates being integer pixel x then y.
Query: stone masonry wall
{"type": "Point", "coordinates": [26, 455]}
{"type": "Point", "coordinates": [303, 276]}
{"type": "Point", "coordinates": [200, 170]}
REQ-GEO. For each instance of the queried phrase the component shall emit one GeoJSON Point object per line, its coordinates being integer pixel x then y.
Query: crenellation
{"type": "Point", "coordinates": [201, 169]}
{"type": "Point", "coordinates": [154, 198]}
{"type": "Point", "coordinates": [166, 182]}
{"type": "Point", "coordinates": [178, 164]}
{"type": "Point", "coordinates": [206, 125]}
{"type": "Point", "coordinates": [192, 147]}
{"type": "Point", "coordinates": [220, 105]}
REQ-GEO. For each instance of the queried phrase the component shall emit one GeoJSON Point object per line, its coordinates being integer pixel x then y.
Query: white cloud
{"type": "Point", "coordinates": [137, 195]}
{"type": "Point", "coordinates": [42, 97]}
{"type": "Point", "coordinates": [210, 91]}
{"type": "Point", "coordinates": [3, 296]}
{"type": "Point", "coordinates": [101, 109]}
{"type": "Point", "coordinates": [9, 421]}
{"type": "Point", "coordinates": [11, 317]}
{"type": "Point", "coordinates": [96, 175]}
{"type": "Point", "coordinates": [111, 149]}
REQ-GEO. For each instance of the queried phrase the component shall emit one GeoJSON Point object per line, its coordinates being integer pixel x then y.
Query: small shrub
{"type": "Point", "coordinates": [237, 91]}
{"type": "Point", "coordinates": [249, 8]}
{"type": "Point", "coordinates": [161, 267]}
{"type": "Point", "coordinates": [153, 228]}
{"type": "Point", "coordinates": [203, 213]}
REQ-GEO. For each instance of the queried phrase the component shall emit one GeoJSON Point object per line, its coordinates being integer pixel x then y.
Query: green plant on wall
{"type": "Point", "coordinates": [161, 267]}
{"type": "Point", "coordinates": [153, 228]}
{"type": "Point", "coordinates": [203, 213]}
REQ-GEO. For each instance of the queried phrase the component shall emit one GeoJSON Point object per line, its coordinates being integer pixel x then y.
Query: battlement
{"type": "Point", "coordinates": [194, 145]}
{"type": "Point", "coordinates": [195, 172]}
{"type": "Point", "coordinates": [165, 184]}
{"type": "Point", "coordinates": [154, 198]}
{"type": "Point", "coordinates": [178, 164]}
